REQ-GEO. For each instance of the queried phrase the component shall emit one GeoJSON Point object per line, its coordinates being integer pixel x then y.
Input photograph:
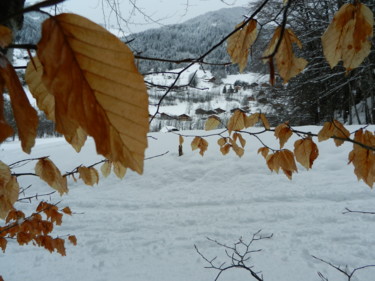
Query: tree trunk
{"type": "Point", "coordinates": [11, 16]}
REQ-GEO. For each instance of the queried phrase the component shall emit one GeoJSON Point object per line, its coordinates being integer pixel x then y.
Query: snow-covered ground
{"type": "Point", "coordinates": [144, 228]}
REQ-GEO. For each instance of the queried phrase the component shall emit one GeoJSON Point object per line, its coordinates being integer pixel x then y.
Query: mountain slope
{"type": "Point", "coordinates": [188, 40]}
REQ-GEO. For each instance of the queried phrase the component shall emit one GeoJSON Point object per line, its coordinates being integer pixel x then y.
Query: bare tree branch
{"type": "Point", "coordinates": [239, 255]}
{"type": "Point", "coordinates": [345, 271]}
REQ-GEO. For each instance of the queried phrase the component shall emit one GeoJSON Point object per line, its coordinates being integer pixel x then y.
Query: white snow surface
{"type": "Point", "coordinates": [144, 228]}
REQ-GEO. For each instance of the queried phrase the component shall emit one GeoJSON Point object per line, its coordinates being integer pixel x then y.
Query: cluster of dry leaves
{"type": "Point", "coordinates": [36, 229]}
{"type": "Point", "coordinates": [347, 38]}
{"type": "Point", "coordinates": [305, 150]}
{"type": "Point", "coordinates": [85, 80]}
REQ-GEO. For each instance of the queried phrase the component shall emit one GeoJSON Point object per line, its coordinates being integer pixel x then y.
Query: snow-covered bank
{"type": "Point", "coordinates": [145, 227]}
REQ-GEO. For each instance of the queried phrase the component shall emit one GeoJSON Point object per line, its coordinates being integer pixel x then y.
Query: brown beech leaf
{"type": "Point", "coordinates": [348, 37]}
{"type": "Point", "coordinates": [119, 170]}
{"type": "Point", "coordinates": [252, 120]}
{"type": "Point", "coordinates": [212, 123]}
{"type": "Point", "coordinates": [287, 63]}
{"type": "Point", "coordinates": [90, 176]}
{"type": "Point", "coordinates": [240, 138]}
{"type": "Point", "coordinates": [200, 143]}
{"type": "Point", "coordinates": [306, 151]}
{"type": "Point", "coordinates": [106, 168]}
{"type": "Point", "coordinates": [72, 239]}
{"type": "Point", "coordinates": [225, 149]}
{"type": "Point", "coordinates": [67, 211]}
{"type": "Point", "coordinates": [24, 238]}
{"type": "Point", "coordinates": [74, 135]}
{"type": "Point", "coordinates": [60, 246]}
{"type": "Point", "coordinates": [264, 151]}
{"type": "Point", "coordinates": [6, 36]}
{"type": "Point", "coordinates": [3, 244]}
{"type": "Point", "coordinates": [25, 115]}
{"type": "Point", "coordinates": [180, 139]}
{"type": "Point", "coordinates": [283, 160]}
{"type": "Point", "coordinates": [195, 143]}
{"type": "Point", "coordinates": [283, 133]}
{"type": "Point", "coordinates": [221, 141]}
{"type": "Point", "coordinates": [48, 172]}
{"type": "Point", "coordinates": [237, 121]}
{"type": "Point", "coordinates": [9, 190]}
{"type": "Point", "coordinates": [240, 43]}
{"type": "Point", "coordinates": [363, 159]}
{"type": "Point", "coordinates": [238, 150]}
{"type": "Point", "coordinates": [44, 99]}
{"type": "Point", "coordinates": [5, 129]}
{"type": "Point", "coordinates": [333, 129]}
{"type": "Point", "coordinates": [265, 122]}
{"type": "Point", "coordinates": [203, 145]}
{"type": "Point", "coordinates": [97, 86]}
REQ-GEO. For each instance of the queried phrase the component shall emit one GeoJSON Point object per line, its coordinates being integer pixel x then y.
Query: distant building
{"type": "Point", "coordinates": [219, 110]}
{"type": "Point", "coordinates": [184, 117]}
{"type": "Point", "coordinates": [164, 116]}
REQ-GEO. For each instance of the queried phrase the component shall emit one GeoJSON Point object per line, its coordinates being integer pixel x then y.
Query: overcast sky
{"type": "Point", "coordinates": [150, 13]}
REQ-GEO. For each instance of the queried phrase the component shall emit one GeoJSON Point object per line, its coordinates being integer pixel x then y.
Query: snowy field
{"type": "Point", "coordinates": [144, 228]}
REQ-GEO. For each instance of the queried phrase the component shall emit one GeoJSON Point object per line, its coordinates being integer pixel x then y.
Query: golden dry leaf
{"type": "Point", "coordinates": [238, 150]}
{"type": "Point", "coordinates": [67, 211]}
{"type": "Point", "coordinates": [203, 145]}
{"type": "Point", "coordinates": [326, 132]}
{"type": "Point", "coordinates": [45, 241]}
{"type": "Point", "coordinates": [25, 115]}
{"type": "Point", "coordinates": [6, 36]}
{"type": "Point", "coordinates": [90, 176]}
{"type": "Point", "coordinates": [48, 172]}
{"type": "Point", "coordinates": [252, 120]}
{"type": "Point", "coordinates": [265, 122]}
{"type": "Point", "coordinates": [264, 151]}
{"type": "Point", "coordinates": [363, 159]}
{"type": "Point", "coordinates": [24, 238]}
{"type": "Point", "coordinates": [72, 239]}
{"type": "Point", "coordinates": [212, 123]}
{"type": "Point", "coordinates": [119, 170]}
{"type": "Point", "coordinates": [333, 129]}
{"type": "Point", "coordinates": [5, 129]}
{"type": "Point", "coordinates": [195, 143]}
{"type": "Point", "coordinates": [284, 160]}
{"type": "Point", "coordinates": [348, 37]}
{"type": "Point", "coordinates": [287, 63]}
{"type": "Point", "coordinates": [9, 190]}
{"type": "Point", "coordinates": [242, 140]}
{"type": "Point", "coordinates": [306, 151]}
{"type": "Point", "coordinates": [106, 168]}
{"type": "Point", "coordinates": [237, 121]}
{"type": "Point", "coordinates": [97, 86]}
{"type": "Point", "coordinates": [239, 136]}
{"type": "Point", "coordinates": [240, 43]}
{"type": "Point", "coordinates": [44, 99]}
{"type": "Point", "coordinates": [225, 149]}
{"type": "Point", "coordinates": [272, 162]}
{"type": "Point", "coordinates": [200, 143]}
{"type": "Point", "coordinates": [60, 246]}
{"type": "Point", "coordinates": [283, 133]}
{"type": "Point", "coordinates": [74, 135]}
{"type": "Point", "coordinates": [3, 244]}
{"type": "Point", "coordinates": [181, 139]}
{"type": "Point", "coordinates": [221, 141]}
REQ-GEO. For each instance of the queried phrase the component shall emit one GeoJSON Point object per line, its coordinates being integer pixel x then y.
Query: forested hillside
{"type": "Point", "coordinates": [189, 40]}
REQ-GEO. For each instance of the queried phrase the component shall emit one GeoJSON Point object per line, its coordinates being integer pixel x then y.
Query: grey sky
{"type": "Point", "coordinates": [159, 11]}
